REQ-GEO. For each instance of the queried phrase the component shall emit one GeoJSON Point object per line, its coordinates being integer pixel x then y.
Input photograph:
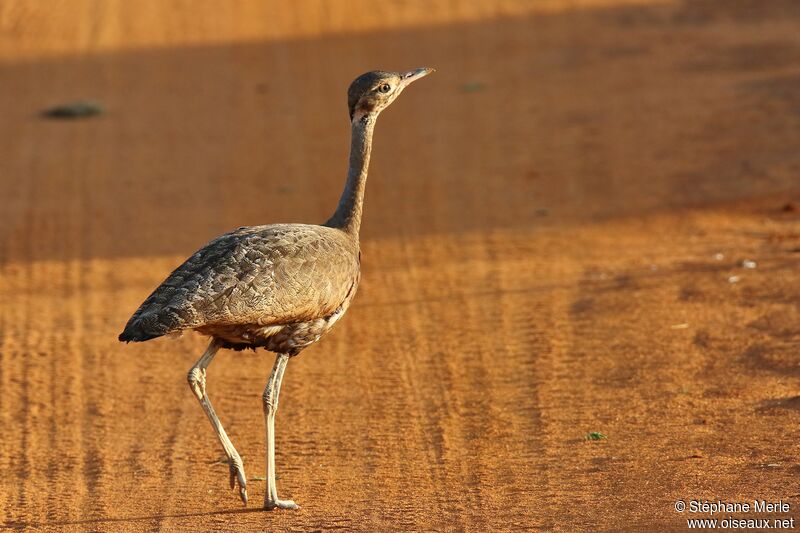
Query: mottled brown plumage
{"type": "Point", "coordinates": [279, 287]}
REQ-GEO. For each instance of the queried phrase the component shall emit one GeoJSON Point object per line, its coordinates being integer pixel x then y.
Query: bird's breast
{"type": "Point", "coordinates": [290, 338]}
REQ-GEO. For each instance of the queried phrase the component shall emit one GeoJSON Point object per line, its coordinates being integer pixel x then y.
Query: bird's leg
{"type": "Point", "coordinates": [197, 382]}
{"type": "Point", "coordinates": [271, 393]}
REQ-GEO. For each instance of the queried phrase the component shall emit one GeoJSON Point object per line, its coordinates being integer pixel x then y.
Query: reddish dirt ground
{"type": "Point", "coordinates": [555, 228]}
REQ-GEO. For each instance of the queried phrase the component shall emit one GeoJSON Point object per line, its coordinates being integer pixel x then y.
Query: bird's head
{"type": "Point", "coordinates": [371, 93]}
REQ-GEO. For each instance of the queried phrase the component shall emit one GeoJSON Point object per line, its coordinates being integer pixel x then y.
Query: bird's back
{"type": "Point", "coordinates": [259, 275]}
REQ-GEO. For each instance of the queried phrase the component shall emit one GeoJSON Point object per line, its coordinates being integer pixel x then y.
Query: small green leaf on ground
{"type": "Point", "coordinates": [595, 435]}
{"type": "Point", "coordinates": [472, 87]}
{"type": "Point", "coordinates": [77, 109]}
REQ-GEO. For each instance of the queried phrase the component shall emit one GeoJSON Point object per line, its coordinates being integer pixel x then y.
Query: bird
{"type": "Point", "coordinates": [279, 287]}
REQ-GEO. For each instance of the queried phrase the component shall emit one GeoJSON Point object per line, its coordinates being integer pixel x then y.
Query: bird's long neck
{"type": "Point", "coordinates": [348, 214]}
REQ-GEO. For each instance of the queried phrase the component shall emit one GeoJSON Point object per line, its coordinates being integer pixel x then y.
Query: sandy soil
{"type": "Point", "coordinates": [555, 228]}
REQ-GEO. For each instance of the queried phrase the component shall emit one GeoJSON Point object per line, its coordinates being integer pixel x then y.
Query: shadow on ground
{"type": "Point", "coordinates": [548, 119]}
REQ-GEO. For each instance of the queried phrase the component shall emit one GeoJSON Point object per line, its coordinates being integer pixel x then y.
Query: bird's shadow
{"type": "Point", "coordinates": [112, 520]}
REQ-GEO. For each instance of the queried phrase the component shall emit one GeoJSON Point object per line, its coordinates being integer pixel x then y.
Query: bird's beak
{"type": "Point", "coordinates": [413, 75]}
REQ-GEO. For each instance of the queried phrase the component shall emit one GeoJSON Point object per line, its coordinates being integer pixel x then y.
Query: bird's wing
{"type": "Point", "coordinates": [258, 275]}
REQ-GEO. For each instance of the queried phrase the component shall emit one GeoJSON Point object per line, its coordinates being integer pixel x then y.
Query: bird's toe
{"type": "Point", "coordinates": [280, 504]}
{"type": "Point", "coordinates": [237, 476]}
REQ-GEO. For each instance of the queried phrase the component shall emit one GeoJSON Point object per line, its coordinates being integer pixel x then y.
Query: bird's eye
{"type": "Point", "coordinates": [385, 88]}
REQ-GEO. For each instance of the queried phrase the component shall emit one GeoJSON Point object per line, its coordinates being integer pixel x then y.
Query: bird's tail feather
{"type": "Point", "coordinates": [143, 327]}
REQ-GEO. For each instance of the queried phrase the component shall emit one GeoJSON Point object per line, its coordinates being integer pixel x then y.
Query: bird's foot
{"type": "Point", "coordinates": [280, 504]}
{"type": "Point", "coordinates": [237, 475]}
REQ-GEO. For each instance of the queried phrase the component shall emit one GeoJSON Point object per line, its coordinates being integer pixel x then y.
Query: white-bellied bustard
{"type": "Point", "coordinates": [279, 287]}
